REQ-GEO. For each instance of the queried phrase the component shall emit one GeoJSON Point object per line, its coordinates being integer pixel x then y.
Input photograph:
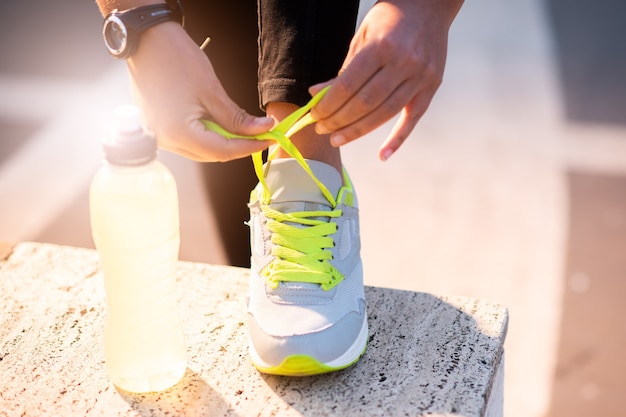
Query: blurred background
{"type": "Point", "coordinates": [512, 188]}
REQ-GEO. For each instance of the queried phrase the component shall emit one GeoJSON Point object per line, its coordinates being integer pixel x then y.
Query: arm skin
{"type": "Point", "coordinates": [395, 65]}
{"type": "Point", "coordinates": [174, 83]}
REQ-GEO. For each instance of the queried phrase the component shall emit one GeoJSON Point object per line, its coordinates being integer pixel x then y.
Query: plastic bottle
{"type": "Point", "coordinates": [135, 227]}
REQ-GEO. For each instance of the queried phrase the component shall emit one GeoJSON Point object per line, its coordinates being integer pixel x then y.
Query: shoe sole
{"type": "Point", "coordinates": [305, 365]}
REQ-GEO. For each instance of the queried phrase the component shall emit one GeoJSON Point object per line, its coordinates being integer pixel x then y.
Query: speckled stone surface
{"type": "Point", "coordinates": [427, 355]}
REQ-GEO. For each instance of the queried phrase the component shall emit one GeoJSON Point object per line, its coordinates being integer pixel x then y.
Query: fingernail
{"type": "Point", "coordinates": [314, 89]}
{"type": "Point", "coordinates": [386, 154]}
{"type": "Point", "coordinates": [337, 140]}
{"type": "Point", "coordinates": [319, 129]}
{"type": "Point", "coordinates": [263, 121]}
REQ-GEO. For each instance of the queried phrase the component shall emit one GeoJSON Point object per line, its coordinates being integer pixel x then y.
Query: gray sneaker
{"type": "Point", "coordinates": [306, 312]}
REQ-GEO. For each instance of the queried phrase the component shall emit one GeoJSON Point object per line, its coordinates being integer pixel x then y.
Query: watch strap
{"type": "Point", "coordinates": [179, 13]}
{"type": "Point", "coordinates": [141, 18]}
{"type": "Point", "coordinates": [136, 20]}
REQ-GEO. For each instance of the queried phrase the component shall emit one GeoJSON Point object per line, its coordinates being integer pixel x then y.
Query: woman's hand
{"type": "Point", "coordinates": [395, 64]}
{"type": "Point", "coordinates": [176, 86]}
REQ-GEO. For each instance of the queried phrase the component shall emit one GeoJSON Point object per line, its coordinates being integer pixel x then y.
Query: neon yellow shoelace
{"type": "Point", "coordinates": [301, 253]}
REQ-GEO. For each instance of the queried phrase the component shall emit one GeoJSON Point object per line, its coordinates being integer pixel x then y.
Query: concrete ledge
{"type": "Point", "coordinates": [5, 250]}
{"type": "Point", "coordinates": [427, 355]}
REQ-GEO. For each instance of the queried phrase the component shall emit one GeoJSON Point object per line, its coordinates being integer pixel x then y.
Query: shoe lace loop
{"type": "Point", "coordinates": [281, 134]}
{"type": "Point", "coordinates": [301, 240]}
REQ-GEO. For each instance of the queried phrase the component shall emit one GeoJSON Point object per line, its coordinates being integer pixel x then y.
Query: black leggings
{"type": "Point", "coordinates": [272, 51]}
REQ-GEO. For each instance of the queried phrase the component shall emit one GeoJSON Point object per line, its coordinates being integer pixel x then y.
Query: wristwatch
{"type": "Point", "coordinates": [122, 29]}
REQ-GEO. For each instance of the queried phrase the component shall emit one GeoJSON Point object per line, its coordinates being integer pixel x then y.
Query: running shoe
{"type": "Point", "coordinates": [307, 310]}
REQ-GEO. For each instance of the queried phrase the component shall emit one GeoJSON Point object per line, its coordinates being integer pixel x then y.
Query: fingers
{"type": "Point", "coordinates": [314, 89]}
{"type": "Point", "coordinates": [211, 147]}
{"type": "Point", "coordinates": [203, 145]}
{"type": "Point", "coordinates": [371, 90]}
{"type": "Point", "coordinates": [409, 117]}
{"type": "Point", "coordinates": [233, 149]}
{"type": "Point", "coordinates": [376, 103]}
{"type": "Point", "coordinates": [183, 132]}
{"type": "Point", "coordinates": [373, 105]}
{"type": "Point", "coordinates": [347, 84]}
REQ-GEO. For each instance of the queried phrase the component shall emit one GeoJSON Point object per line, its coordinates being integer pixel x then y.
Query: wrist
{"type": "Point", "coordinates": [159, 41]}
{"type": "Point", "coordinates": [444, 11]}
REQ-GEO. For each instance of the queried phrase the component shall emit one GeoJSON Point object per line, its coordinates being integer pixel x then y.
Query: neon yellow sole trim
{"type": "Point", "coordinates": [303, 365]}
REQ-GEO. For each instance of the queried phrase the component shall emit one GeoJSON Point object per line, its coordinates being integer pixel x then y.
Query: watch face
{"type": "Point", "coordinates": [115, 35]}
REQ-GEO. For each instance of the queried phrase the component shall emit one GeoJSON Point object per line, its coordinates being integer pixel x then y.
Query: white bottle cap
{"type": "Point", "coordinates": [127, 118]}
{"type": "Point", "coordinates": [128, 143]}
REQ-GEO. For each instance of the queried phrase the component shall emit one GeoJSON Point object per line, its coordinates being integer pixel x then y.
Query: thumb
{"type": "Point", "coordinates": [236, 120]}
{"type": "Point", "coordinates": [241, 122]}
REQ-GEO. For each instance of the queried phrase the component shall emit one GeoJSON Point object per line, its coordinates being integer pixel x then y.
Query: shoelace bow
{"type": "Point", "coordinates": [301, 239]}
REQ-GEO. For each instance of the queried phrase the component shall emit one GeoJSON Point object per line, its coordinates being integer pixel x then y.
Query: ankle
{"type": "Point", "coordinates": [310, 144]}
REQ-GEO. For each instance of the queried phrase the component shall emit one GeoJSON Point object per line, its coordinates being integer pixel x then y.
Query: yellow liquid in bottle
{"type": "Point", "coordinates": [135, 226]}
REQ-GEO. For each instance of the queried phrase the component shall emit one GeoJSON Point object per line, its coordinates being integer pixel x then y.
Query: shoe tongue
{"type": "Point", "coordinates": [287, 182]}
